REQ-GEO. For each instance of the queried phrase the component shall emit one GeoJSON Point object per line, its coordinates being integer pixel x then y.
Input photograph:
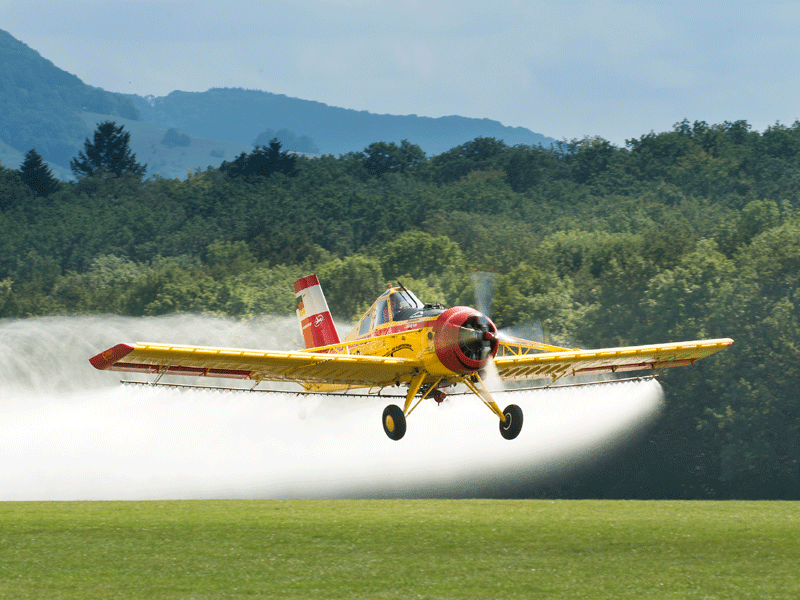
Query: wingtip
{"type": "Point", "coordinates": [108, 358]}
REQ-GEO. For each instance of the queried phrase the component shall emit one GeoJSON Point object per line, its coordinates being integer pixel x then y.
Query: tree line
{"type": "Point", "coordinates": [685, 234]}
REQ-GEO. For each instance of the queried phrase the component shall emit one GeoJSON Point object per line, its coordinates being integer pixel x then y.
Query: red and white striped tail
{"type": "Point", "coordinates": [315, 319]}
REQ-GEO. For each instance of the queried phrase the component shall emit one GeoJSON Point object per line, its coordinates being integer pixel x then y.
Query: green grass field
{"type": "Point", "coordinates": [400, 549]}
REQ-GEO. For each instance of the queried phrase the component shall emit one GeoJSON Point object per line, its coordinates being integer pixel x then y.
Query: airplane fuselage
{"type": "Point", "coordinates": [449, 343]}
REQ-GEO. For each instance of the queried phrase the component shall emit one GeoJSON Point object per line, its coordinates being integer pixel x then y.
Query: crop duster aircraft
{"type": "Point", "coordinates": [403, 342]}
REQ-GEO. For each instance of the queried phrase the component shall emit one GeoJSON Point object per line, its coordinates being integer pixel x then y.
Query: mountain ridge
{"type": "Point", "coordinates": [40, 104]}
{"type": "Point", "coordinates": [335, 130]}
{"type": "Point", "coordinates": [44, 107]}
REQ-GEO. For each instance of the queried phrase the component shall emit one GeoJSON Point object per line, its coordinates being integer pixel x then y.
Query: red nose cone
{"type": "Point", "coordinates": [464, 339]}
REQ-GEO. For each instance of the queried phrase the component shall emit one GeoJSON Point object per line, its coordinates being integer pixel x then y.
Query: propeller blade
{"type": "Point", "coordinates": [532, 331]}
{"type": "Point", "coordinates": [491, 377]}
{"type": "Point", "coordinates": [483, 284]}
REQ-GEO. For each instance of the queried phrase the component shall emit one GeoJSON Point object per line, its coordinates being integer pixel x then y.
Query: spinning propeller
{"type": "Point", "coordinates": [483, 285]}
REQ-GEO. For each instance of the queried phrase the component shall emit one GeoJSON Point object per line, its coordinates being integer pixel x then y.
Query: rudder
{"type": "Point", "coordinates": [315, 319]}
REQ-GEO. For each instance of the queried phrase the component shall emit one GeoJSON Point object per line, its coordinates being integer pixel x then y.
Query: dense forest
{"type": "Point", "coordinates": [685, 234]}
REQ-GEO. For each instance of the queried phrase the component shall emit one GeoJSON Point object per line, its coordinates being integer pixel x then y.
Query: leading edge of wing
{"type": "Point", "coordinates": [606, 360]}
{"type": "Point", "coordinates": [300, 367]}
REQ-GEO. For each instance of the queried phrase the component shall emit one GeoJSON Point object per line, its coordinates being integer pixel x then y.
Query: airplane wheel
{"type": "Point", "coordinates": [394, 422]}
{"type": "Point", "coordinates": [513, 424]}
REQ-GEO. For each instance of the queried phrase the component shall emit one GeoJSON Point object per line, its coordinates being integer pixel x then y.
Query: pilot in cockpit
{"type": "Point", "coordinates": [394, 302]}
{"type": "Point", "coordinates": [394, 299]}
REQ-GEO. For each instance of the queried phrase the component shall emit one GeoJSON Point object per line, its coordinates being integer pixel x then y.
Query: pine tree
{"type": "Point", "coordinates": [109, 153]}
{"type": "Point", "coordinates": [37, 175]}
{"type": "Point", "coordinates": [263, 161]}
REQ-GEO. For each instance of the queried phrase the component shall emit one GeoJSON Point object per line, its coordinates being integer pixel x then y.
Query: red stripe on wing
{"type": "Point", "coordinates": [181, 370]}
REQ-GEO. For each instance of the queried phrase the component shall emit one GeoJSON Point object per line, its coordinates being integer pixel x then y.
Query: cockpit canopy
{"type": "Point", "coordinates": [395, 304]}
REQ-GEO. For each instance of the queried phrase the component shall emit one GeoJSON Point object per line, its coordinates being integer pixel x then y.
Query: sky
{"type": "Point", "coordinates": [566, 69]}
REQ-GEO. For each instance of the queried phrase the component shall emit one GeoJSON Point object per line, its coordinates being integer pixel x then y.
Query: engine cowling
{"type": "Point", "coordinates": [465, 339]}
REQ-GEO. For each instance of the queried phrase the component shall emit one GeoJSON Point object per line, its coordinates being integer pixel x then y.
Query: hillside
{"type": "Point", "coordinates": [44, 107]}
{"type": "Point", "coordinates": [240, 115]}
{"type": "Point", "coordinates": [40, 104]}
{"type": "Point", "coordinates": [170, 162]}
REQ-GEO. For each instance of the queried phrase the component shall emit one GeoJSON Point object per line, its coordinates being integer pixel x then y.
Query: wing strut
{"type": "Point", "coordinates": [413, 388]}
{"type": "Point", "coordinates": [427, 393]}
{"type": "Point", "coordinates": [160, 373]}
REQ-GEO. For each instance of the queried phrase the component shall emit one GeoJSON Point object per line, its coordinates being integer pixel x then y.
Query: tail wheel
{"type": "Point", "coordinates": [513, 423]}
{"type": "Point", "coordinates": [394, 422]}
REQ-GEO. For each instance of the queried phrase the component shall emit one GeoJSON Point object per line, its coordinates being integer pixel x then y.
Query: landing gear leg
{"type": "Point", "coordinates": [510, 418]}
{"type": "Point", "coordinates": [394, 417]}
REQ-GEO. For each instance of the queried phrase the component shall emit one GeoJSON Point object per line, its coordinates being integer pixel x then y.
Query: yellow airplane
{"type": "Point", "coordinates": [400, 341]}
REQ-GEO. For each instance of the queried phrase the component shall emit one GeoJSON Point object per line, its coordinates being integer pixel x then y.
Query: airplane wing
{"type": "Point", "coordinates": [306, 368]}
{"type": "Point", "coordinates": [519, 361]}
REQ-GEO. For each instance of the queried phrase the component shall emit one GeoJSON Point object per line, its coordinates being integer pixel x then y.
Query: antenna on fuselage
{"type": "Point", "coordinates": [407, 294]}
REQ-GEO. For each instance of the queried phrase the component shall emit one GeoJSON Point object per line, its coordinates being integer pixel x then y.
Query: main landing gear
{"type": "Point", "coordinates": [394, 422]}
{"type": "Point", "coordinates": [394, 417]}
{"type": "Point", "coordinates": [513, 423]}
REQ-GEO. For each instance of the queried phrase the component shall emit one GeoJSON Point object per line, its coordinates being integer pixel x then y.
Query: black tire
{"type": "Point", "coordinates": [513, 423]}
{"type": "Point", "coordinates": [394, 422]}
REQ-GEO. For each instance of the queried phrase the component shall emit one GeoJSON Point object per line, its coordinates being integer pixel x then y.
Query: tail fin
{"type": "Point", "coordinates": [315, 319]}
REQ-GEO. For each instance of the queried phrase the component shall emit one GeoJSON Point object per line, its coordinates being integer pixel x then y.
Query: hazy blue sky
{"type": "Point", "coordinates": [562, 68]}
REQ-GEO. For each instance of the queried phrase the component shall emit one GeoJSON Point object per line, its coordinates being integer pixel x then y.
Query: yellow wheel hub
{"type": "Point", "coordinates": [389, 423]}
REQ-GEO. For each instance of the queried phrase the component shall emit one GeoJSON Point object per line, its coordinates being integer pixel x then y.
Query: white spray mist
{"type": "Point", "coordinates": [69, 432]}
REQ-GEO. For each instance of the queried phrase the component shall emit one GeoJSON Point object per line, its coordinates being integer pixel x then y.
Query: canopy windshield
{"type": "Point", "coordinates": [406, 299]}
{"type": "Point", "coordinates": [393, 305]}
